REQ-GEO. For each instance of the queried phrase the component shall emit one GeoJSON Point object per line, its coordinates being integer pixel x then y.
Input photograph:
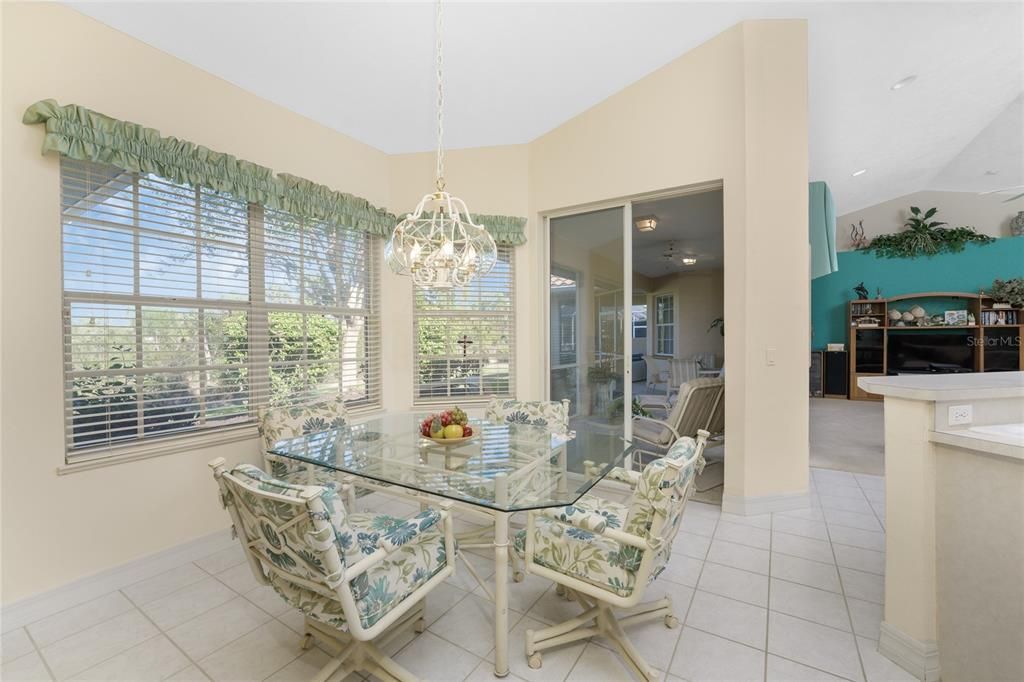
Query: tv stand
{"type": "Point", "coordinates": [991, 344]}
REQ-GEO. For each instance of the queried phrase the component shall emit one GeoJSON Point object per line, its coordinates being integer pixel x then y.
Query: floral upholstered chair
{"type": "Point", "coordinates": [280, 423]}
{"type": "Point", "coordinates": [604, 554]}
{"type": "Point", "coordinates": [356, 577]}
{"type": "Point", "coordinates": [536, 412]}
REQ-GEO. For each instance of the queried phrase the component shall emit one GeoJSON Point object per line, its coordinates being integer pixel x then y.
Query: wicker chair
{"type": "Point", "coordinates": [358, 578]}
{"type": "Point", "coordinates": [626, 548]}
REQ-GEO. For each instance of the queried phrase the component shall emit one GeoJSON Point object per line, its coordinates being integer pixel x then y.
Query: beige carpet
{"type": "Point", "coordinates": [847, 435]}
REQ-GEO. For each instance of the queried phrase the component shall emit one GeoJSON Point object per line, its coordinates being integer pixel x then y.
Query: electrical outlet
{"type": "Point", "coordinates": [960, 414]}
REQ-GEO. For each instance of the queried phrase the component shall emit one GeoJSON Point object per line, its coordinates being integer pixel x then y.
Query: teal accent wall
{"type": "Point", "coordinates": [972, 269]}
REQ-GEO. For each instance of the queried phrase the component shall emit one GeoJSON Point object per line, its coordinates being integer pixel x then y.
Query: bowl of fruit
{"type": "Point", "coordinates": [450, 427]}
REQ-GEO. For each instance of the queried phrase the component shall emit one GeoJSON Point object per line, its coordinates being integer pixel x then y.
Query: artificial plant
{"type": "Point", "coordinates": [1009, 291]}
{"type": "Point", "coordinates": [925, 237]}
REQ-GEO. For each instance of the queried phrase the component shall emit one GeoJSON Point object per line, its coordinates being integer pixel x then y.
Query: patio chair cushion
{"type": "Point", "coordinates": [584, 555]}
{"type": "Point", "coordinates": [651, 432]}
{"type": "Point", "coordinates": [534, 412]}
{"type": "Point", "coordinates": [383, 586]}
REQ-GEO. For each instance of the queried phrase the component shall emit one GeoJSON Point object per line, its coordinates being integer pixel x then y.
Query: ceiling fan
{"type": "Point", "coordinates": [673, 258]}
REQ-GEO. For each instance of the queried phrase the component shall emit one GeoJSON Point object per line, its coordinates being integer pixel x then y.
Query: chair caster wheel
{"type": "Point", "coordinates": [671, 621]}
{"type": "Point", "coordinates": [534, 661]}
{"type": "Point", "coordinates": [560, 590]}
{"type": "Point", "coordinates": [420, 626]}
{"type": "Point", "coordinates": [518, 576]}
{"type": "Point", "coordinates": [307, 641]}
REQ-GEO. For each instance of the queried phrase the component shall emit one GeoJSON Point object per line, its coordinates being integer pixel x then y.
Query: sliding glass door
{"type": "Point", "coordinates": [589, 345]}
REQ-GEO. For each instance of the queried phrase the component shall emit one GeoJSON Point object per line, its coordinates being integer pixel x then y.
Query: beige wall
{"type": "Point", "coordinates": [989, 214]}
{"type": "Point", "coordinates": [733, 109]}
{"type": "Point", "coordinates": [699, 299]}
{"type": "Point", "coordinates": [59, 528]}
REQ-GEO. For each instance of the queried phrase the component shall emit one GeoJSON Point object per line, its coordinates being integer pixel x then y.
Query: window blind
{"type": "Point", "coordinates": [464, 341]}
{"type": "Point", "coordinates": [186, 309]}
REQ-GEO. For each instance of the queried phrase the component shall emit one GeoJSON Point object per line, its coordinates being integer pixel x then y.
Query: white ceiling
{"type": "Point", "coordinates": [692, 224]}
{"type": "Point", "coordinates": [516, 70]}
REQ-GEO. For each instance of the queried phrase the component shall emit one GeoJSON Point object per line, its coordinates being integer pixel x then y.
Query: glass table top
{"type": "Point", "coordinates": [508, 467]}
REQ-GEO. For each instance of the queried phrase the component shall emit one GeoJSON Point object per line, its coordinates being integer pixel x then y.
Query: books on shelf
{"type": "Point", "coordinates": [991, 318]}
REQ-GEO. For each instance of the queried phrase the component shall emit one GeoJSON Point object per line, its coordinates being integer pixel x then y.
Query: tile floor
{"type": "Point", "coordinates": [785, 596]}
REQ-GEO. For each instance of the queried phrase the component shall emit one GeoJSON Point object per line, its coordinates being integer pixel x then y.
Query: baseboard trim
{"type": "Point", "coordinates": [763, 504]}
{"type": "Point", "coordinates": [37, 606]}
{"type": "Point", "coordinates": [920, 659]}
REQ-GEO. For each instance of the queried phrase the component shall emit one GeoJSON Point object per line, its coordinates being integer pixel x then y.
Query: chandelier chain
{"type": "Point", "coordinates": [440, 99]}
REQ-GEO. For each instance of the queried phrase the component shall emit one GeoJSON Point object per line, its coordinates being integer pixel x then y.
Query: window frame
{"type": "Point", "coordinates": [467, 399]}
{"type": "Point", "coordinates": [662, 345]}
{"type": "Point", "coordinates": [202, 433]}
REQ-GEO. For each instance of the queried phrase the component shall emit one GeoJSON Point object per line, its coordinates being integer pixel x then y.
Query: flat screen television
{"type": "Point", "coordinates": [919, 352]}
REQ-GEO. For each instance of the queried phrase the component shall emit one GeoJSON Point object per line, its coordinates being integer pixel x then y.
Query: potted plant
{"type": "Point", "coordinates": [925, 237]}
{"type": "Point", "coordinates": [1009, 291]}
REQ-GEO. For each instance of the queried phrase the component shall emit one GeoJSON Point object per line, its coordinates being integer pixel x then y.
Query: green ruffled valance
{"type": "Point", "coordinates": [83, 134]}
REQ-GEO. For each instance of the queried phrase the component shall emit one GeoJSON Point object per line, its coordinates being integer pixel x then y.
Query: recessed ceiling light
{"type": "Point", "coordinates": [991, 172]}
{"type": "Point", "coordinates": [689, 261]}
{"type": "Point", "coordinates": [903, 82]}
{"type": "Point", "coordinates": [646, 223]}
{"type": "Point", "coordinates": [862, 171]}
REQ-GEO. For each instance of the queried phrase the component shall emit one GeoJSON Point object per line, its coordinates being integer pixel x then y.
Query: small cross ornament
{"type": "Point", "coordinates": [464, 342]}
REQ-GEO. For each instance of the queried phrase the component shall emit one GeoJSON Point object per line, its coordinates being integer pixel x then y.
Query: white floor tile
{"type": "Point", "coordinates": [728, 618]}
{"type": "Point", "coordinates": [522, 596]}
{"type": "Point", "coordinates": [782, 670]}
{"type": "Point", "coordinates": [682, 569]}
{"type": "Point", "coordinates": [703, 509]}
{"type": "Point", "coordinates": [305, 667]}
{"type": "Point", "coordinates": [27, 668]}
{"type": "Point", "coordinates": [875, 497]}
{"type": "Point", "coordinates": [691, 545]}
{"type": "Point", "coordinates": [255, 655]}
{"type": "Point", "coordinates": [803, 527]}
{"type": "Point", "coordinates": [878, 667]}
{"type": "Point", "coordinates": [805, 548]}
{"type": "Point", "coordinates": [744, 535]}
{"type": "Point", "coordinates": [739, 556]}
{"type": "Point", "coordinates": [833, 476]}
{"type": "Point", "coordinates": [15, 644]}
{"type": "Point", "coordinates": [432, 659]}
{"type": "Point", "coordinates": [870, 482]}
{"type": "Point", "coordinates": [162, 585]}
{"type": "Point", "coordinates": [734, 583]}
{"type": "Point", "coordinates": [154, 659]}
{"type": "Point", "coordinates": [294, 619]}
{"type": "Point", "coordinates": [855, 537]}
{"type": "Point", "coordinates": [838, 490]}
{"type": "Point", "coordinates": [85, 649]}
{"type": "Point", "coordinates": [805, 572]}
{"type": "Point", "coordinates": [811, 514]}
{"type": "Point", "coordinates": [551, 608]}
{"type": "Point", "coordinates": [463, 579]}
{"type": "Point", "coordinates": [470, 624]}
{"type": "Point", "coordinates": [204, 634]}
{"type": "Point", "coordinates": [866, 616]}
{"type": "Point", "coordinates": [188, 602]}
{"type": "Point", "coordinates": [850, 504]}
{"type": "Point", "coordinates": [598, 664]}
{"type": "Point", "coordinates": [268, 600]}
{"type": "Point", "coordinates": [815, 645]}
{"type": "Point", "coordinates": [484, 672]}
{"type": "Point", "coordinates": [441, 599]}
{"type": "Point", "coordinates": [239, 578]}
{"type": "Point", "coordinates": [189, 674]}
{"type": "Point", "coordinates": [557, 661]}
{"type": "Point", "coordinates": [702, 657]}
{"type": "Point", "coordinates": [866, 560]}
{"type": "Point", "coordinates": [865, 521]}
{"type": "Point", "coordinates": [222, 560]}
{"type": "Point", "coordinates": [861, 585]}
{"type": "Point", "coordinates": [60, 625]}
{"type": "Point", "coordinates": [809, 603]}
{"type": "Point", "coordinates": [698, 525]}
{"type": "Point", "coordinates": [653, 640]}
{"type": "Point", "coordinates": [756, 520]}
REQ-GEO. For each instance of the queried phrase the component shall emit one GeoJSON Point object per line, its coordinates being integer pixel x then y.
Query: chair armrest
{"type": "Point", "coordinates": [659, 422]}
{"type": "Point", "coordinates": [630, 478]}
{"type": "Point", "coordinates": [574, 516]}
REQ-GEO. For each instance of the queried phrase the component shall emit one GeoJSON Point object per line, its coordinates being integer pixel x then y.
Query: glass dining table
{"type": "Point", "coordinates": [503, 468]}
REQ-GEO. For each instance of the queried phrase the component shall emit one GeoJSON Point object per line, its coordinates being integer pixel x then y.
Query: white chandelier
{"type": "Point", "coordinates": [438, 244]}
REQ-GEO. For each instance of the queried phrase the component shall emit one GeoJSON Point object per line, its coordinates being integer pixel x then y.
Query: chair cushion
{"type": "Point", "coordinates": [553, 414]}
{"type": "Point", "coordinates": [651, 432]}
{"type": "Point", "coordinates": [385, 585]}
{"type": "Point", "coordinates": [584, 555]}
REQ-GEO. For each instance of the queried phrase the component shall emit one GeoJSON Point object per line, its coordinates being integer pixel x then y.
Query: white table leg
{"type": "Point", "coordinates": [501, 594]}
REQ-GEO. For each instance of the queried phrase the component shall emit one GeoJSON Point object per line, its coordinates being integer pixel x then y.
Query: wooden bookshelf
{"type": "Point", "coordinates": [996, 347]}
